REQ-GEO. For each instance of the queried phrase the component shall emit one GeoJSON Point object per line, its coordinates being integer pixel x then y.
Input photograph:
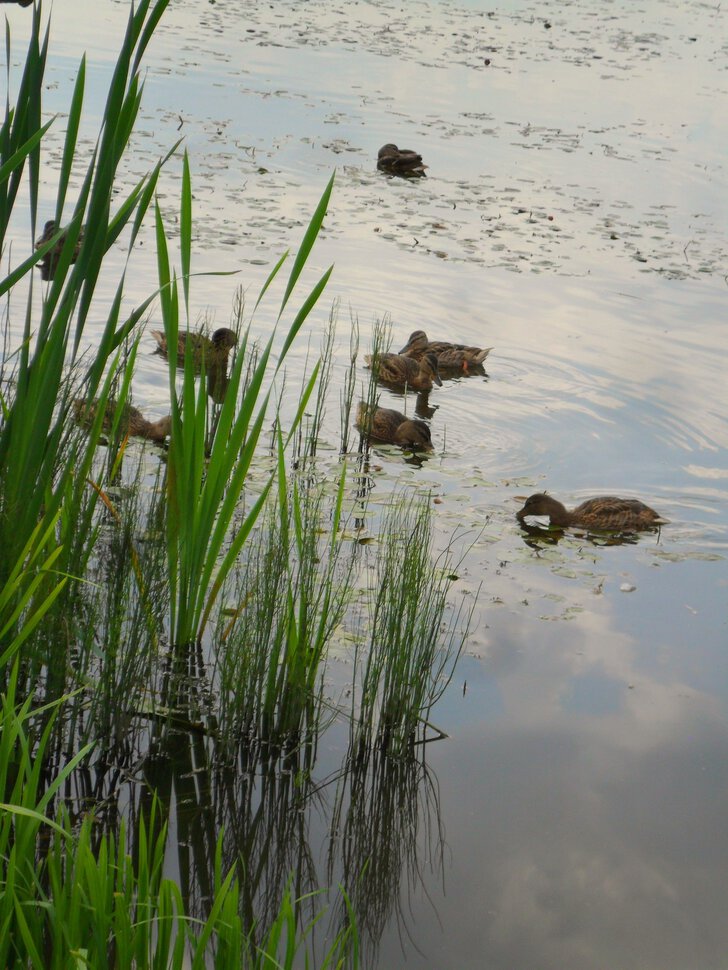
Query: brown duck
{"type": "Point", "coordinates": [49, 263]}
{"type": "Point", "coordinates": [400, 161]}
{"type": "Point", "coordinates": [607, 513]}
{"type": "Point", "coordinates": [132, 420]}
{"type": "Point", "coordinates": [393, 427]}
{"type": "Point", "coordinates": [420, 375]}
{"type": "Point", "coordinates": [458, 357]}
{"type": "Point", "coordinates": [213, 349]}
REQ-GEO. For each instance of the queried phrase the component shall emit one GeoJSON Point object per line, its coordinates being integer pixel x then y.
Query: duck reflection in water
{"type": "Point", "coordinates": [423, 408]}
{"type": "Point", "coordinates": [218, 382]}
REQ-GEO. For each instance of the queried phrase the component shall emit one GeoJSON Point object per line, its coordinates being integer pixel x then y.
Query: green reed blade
{"type": "Point", "coordinates": [71, 139]}
{"type": "Point", "coordinates": [306, 308]}
{"type": "Point", "coordinates": [19, 156]}
{"type": "Point", "coordinates": [185, 231]}
{"type": "Point", "coordinates": [271, 276]}
{"type": "Point", "coordinates": [307, 242]}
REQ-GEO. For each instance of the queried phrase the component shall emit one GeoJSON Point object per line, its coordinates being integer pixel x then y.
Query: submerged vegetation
{"type": "Point", "coordinates": [166, 616]}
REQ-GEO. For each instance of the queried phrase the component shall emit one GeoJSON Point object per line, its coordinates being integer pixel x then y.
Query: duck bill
{"type": "Point", "coordinates": [438, 380]}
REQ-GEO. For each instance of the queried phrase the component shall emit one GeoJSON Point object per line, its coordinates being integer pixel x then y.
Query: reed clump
{"type": "Point", "coordinates": [412, 644]}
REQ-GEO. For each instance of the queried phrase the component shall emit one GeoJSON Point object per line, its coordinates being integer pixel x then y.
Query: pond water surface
{"type": "Point", "coordinates": [573, 218]}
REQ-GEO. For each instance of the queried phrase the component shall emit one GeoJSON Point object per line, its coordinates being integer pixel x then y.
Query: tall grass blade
{"type": "Point", "coordinates": [307, 243]}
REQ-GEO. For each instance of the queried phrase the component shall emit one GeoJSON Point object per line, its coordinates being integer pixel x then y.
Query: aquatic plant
{"type": "Point", "coordinates": [409, 655]}
{"type": "Point", "coordinates": [205, 484]}
{"type": "Point", "coordinates": [69, 895]}
{"type": "Point", "coordinates": [291, 596]}
{"type": "Point", "coordinates": [35, 446]}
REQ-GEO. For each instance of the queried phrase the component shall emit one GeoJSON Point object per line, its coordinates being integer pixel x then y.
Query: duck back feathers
{"type": "Point", "coordinates": [214, 349]}
{"type": "Point", "coordinates": [450, 356]}
{"type": "Point", "coordinates": [419, 374]}
{"type": "Point", "coordinates": [400, 161]}
{"type": "Point", "coordinates": [392, 427]}
{"type": "Point", "coordinates": [607, 512]}
{"type": "Point", "coordinates": [131, 422]}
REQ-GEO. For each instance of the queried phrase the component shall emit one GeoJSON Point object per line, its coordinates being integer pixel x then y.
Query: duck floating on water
{"type": "Point", "coordinates": [400, 161]}
{"type": "Point", "coordinates": [132, 420]}
{"type": "Point", "coordinates": [607, 512]}
{"type": "Point", "coordinates": [49, 263]}
{"type": "Point", "coordinates": [420, 374]}
{"type": "Point", "coordinates": [392, 427]}
{"type": "Point", "coordinates": [450, 356]}
{"type": "Point", "coordinates": [213, 349]}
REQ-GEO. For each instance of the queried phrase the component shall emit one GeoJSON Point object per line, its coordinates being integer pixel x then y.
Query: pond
{"type": "Point", "coordinates": [573, 218]}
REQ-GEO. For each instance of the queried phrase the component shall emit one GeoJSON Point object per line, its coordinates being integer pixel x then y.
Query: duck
{"type": "Point", "coordinates": [393, 428]}
{"type": "Point", "coordinates": [607, 512]}
{"type": "Point", "coordinates": [48, 264]}
{"type": "Point", "coordinates": [400, 161]}
{"type": "Point", "coordinates": [449, 356]}
{"type": "Point", "coordinates": [132, 420]}
{"type": "Point", "coordinates": [420, 374]}
{"type": "Point", "coordinates": [214, 349]}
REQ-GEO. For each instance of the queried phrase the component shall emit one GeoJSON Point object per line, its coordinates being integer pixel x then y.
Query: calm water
{"type": "Point", "coordinates": [574, 218]}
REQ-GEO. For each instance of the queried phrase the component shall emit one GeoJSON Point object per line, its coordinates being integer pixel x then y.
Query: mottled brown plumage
{"type": "Point", "coordinates": [450, 356]}
{"type": "Point", "coordinates": [213, 349]}
{"type": "Point", "coordinates": [132, 420]}
{"type": "Point", "coordinates": [400, 161]}
{"type": "Point", "coordinates": [392, 427]}
{"type": "Point", "coordinates": [49, 262]}
{"type": "Point", "coordinates": [607, 512]}
{"type": "Point", "coordinates": [397, 369]}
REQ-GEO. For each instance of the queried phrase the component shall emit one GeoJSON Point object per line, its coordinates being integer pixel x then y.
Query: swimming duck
{"type": "Point", "coordinates": [606, 512]}
{"type": "Point", "coordinates": [449, 356]}
{"type": "Point", "coordinates": [214, 349]}
{"type": "Point", "coordinates": [400, 161]}
{"type": "Point", "coordinates": [48, 264]}
{"type": "Point", "coordinates": [132, 420]}
{"type": "Point", "coordinates": [398, 369]}
{"type": "Point", "coordinates": [392, 427]}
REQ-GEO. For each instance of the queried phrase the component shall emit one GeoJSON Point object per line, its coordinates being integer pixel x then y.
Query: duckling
{"type": "Point", "coordinates": [449, 356]}
{"type": "Point", "coordinates": [48, 264]}
{"type": "Point", "coordinates": [132, 420]}
{"type": "Point", "coordinates": [400, 161]}
{"type": "Point", "coordinates": [214, 349]}
{"type": "Point", "coordinates": [393, 427]}
{"type": "Point", "coordinates": [606, 512]}
{"type": "Point", "coordinates": [397, 369]}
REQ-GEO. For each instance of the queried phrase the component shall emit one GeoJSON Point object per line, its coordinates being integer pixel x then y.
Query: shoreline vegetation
{"type": "Point", "coordinates": [167, 613]}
